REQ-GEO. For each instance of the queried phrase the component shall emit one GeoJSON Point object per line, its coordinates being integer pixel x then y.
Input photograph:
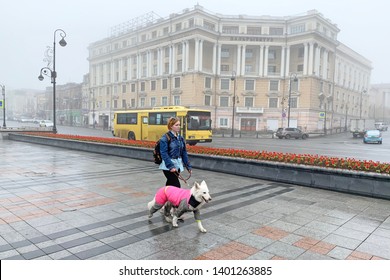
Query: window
{"type": "Point", "coordinates": [248, 68]}
{"type": "Point", "coordinates": [272, 54]}
{"type": "Point", "coordinates": [124, 103]}
{"type": "Point", "coordinates": [132, 87]}
{"type": "Point", "coordinates": [225, 84]}
{"type": "Point", "coordinates": [248, 101]}
{"type": "Point", "coordinates": [143, 38]}
{"type": "Point", "coordinates": [301, 52]}
{"type": "Point", "coordinates": [253, 30]}
{"type": "Point", "coordinates": [107, 104]}
{"type": "Point", "coordinates": [166, 52]}
{"type": "Point", "coordinates": [299, 28]}
{"type": "Point", "coordinates": [294, 102]}
{"type": "Point", "coordinates": [224, 67]}
{"type": "Point", "coordinates": [180, 49]}
{"type": "Point", "coordinates": [127, 118]}
{"type": "Point", "coordinates": [249, 84]}
{"type": "Point", "coordinates": [191, 22]}
{"type": "Point", "coordinates": [178, 26]}
{"type": "Point", "coordinates": [155, 69]}
{"type": "Point", "coordinates": [176, 100]}
{"type": "Point", "coordinates": [164, 84]}
{"type": "Point", "coordinates": [115, 104]}
{"type": "Point", "coordinates": [154, 34]}
{"type": "Point", "coordinates": [274, 85]}
{"type": "Point", "coordinates": [132, 102]}
{"type": "Point", "coordinates": [209, 25]}
{"type": "Point", "coordinates": [230, 29]}
{"type": "Point", "coordinates": [300, 67]}
{"type": "Point", "coordinates": [207, 82]}
{"type": "Point", "coordinates": [273, 102]}
{"type": "Point", "coordinates": [179, 65]}
{"type": "Point", "coordinates": [248, 53]}
{"type": "Point", "coordinates": [152, 85]}
{"type": "Point", "coordinates": [223, 122]}
{"type": "Point", "coordinates": [153, 101]}
{"type": "Point", "coordinates": [271, 69]}
{"type": "Point", "coordinates": [123, 88]}
{"type": "Point", "coordinates": [142, 102]}
{"type": "Point", "coordinates": [164, 101]}
{"type": "Point", "coordinates": [224, 101]}
{"type": "Point", "coordinates": [276, 31]}
{"type": "Point", "coordinates": [166, 68]}
{"type": "Point", "coordinates": [294, 85]}
{"type": "Point", "coordinates": [207, 100]}
{"type": "Point", "coordinates": [225, 53]}
{"type": "Point", "coordinates": [165, 30]}
{"type": "Point", "coordinates": [177, 82]}
{"type": "Point", "coordinates": [142, 86]}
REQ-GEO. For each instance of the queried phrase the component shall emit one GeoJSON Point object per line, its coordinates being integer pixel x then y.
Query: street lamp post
{"type": "Point", "coordinates": [3, 92]}
{"type": "Point", "coordinates": [53, 74]}
{"type": "Point", "coordinates": [233, 78]}
{"type": "Point", "coordinates": [292, 77]}
{"type": "Point", "coordinates": [93, 108]}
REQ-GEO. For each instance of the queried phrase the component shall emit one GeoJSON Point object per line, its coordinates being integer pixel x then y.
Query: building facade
{"type": "Point", "coordinates": [253, 72]}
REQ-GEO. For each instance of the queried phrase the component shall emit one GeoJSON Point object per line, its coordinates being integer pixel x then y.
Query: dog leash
{"type": "Point", "coordinates": [181, 177]}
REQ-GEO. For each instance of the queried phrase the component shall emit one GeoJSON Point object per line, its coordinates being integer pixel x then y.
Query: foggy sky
{"type": "Point", "coordinates": [27, 28]}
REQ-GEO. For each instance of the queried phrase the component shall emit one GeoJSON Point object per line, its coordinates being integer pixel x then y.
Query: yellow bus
{"type": "Point", "coordinates": [151, 124]}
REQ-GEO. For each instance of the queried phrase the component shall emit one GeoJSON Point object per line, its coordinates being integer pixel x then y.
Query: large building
{"type": "Point", "coordinates": [253, 72]}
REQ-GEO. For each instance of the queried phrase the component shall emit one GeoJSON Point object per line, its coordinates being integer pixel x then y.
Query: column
{"type": "Point", "coordinates": [282, 62]}
{"type": "Point", "coordinates": [214, 69]}
{"type": "Point", "coordinates": [243, 57]}
{"type": "Point", "coordinates": [159, 62]}
{"type": "Point", "coordinates": [219, 60]}
{"type": "Point", "coordinates": [261, 61]}
{"type": "Point", "coordinates": [305, 58]}
{"type": "Point", "coordinates": [317, 61]}
{"type": "Point", "coordinates": [325, 64]}
{"type": "Point", "coordinates": [311, 58]}
{"type": "Point", "coordinates": [201, 55]}
{"type": "Point", "coordinates": [266, 61]}
{"type": "Point", "coordinates": [172, 59]}
{"type": "Point", "coordinates": [238, 68]}
{"type": "Point", "coordinates": [196, 56]}
{"type": "Point", "coordinates": [187, 57]}
{"type": "Point", "coordinates": [287, 70]}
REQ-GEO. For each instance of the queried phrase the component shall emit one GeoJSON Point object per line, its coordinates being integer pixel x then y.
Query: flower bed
{"type": "Point", "coordinates": [300, 159]}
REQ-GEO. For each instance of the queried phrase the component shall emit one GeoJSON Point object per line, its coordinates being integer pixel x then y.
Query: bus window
{"type": "Point", "coordinates": [145, 120]}
{"type": "Point", "coordinates": [160, 118]}
{"type": "Point", "coordinates": [126, 118]}
{"type": "Point", "coordinates": [199, 120]}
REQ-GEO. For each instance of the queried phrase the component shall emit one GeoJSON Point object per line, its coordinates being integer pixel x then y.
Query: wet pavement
{"type": "Point", "coordinates": [64, 204]}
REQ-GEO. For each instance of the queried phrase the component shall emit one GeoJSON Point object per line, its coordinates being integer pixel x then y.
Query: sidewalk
{"type": "Point", "coordinates": [63, 204]}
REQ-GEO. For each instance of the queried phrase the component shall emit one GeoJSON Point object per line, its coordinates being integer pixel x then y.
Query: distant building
{"type": "Point", "coordinates": [379, 105]}
{"type": "Point", "coordinates": [204, 60]}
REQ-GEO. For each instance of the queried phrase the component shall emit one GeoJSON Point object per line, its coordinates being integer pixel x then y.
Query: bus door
{"type": "Point", "coordinates": [144, 127]}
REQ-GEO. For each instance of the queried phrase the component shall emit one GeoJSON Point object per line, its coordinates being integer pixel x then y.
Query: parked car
{"type": "Point", "coordinates": [46, 123]}
{"type": "Point", "coordinates": [291, 132]}
{"type": "Point", "coordinates": [381, 126]}
{"type": "Point", "coordinates": [372, 136]}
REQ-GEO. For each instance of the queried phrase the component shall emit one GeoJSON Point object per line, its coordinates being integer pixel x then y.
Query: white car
{"type": "Point", "coordinates": [46, 123]}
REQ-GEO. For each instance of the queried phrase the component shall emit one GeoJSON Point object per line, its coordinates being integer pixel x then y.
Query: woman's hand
{"type": "Point", "coordinates": [172, 170]}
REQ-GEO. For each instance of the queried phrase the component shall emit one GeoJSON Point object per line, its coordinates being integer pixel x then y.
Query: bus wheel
{"type": "Point", "coordinates": [131, 136]}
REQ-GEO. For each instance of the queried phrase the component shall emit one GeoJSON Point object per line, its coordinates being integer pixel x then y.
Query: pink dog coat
{"type": "Point", "coordinates": [173, 195]}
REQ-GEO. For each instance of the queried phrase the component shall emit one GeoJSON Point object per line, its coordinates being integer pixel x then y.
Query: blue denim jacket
{"type": "Point", "coordinates": [176, 156]}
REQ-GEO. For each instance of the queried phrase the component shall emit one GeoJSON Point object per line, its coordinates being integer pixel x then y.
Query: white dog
{"type": "Point", "coordinates": [184, 200]}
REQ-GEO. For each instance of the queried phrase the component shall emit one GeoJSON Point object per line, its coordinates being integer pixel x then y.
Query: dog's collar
{"type": "Point", "coordinates": [193, 202]}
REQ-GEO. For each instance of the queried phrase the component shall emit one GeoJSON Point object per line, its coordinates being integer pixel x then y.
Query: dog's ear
{"type": "Point", "coordinates": [196, 185]}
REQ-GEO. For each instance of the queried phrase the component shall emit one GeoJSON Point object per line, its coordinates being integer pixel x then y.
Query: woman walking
{"type": "Point", "coordinates": [174, 153]}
